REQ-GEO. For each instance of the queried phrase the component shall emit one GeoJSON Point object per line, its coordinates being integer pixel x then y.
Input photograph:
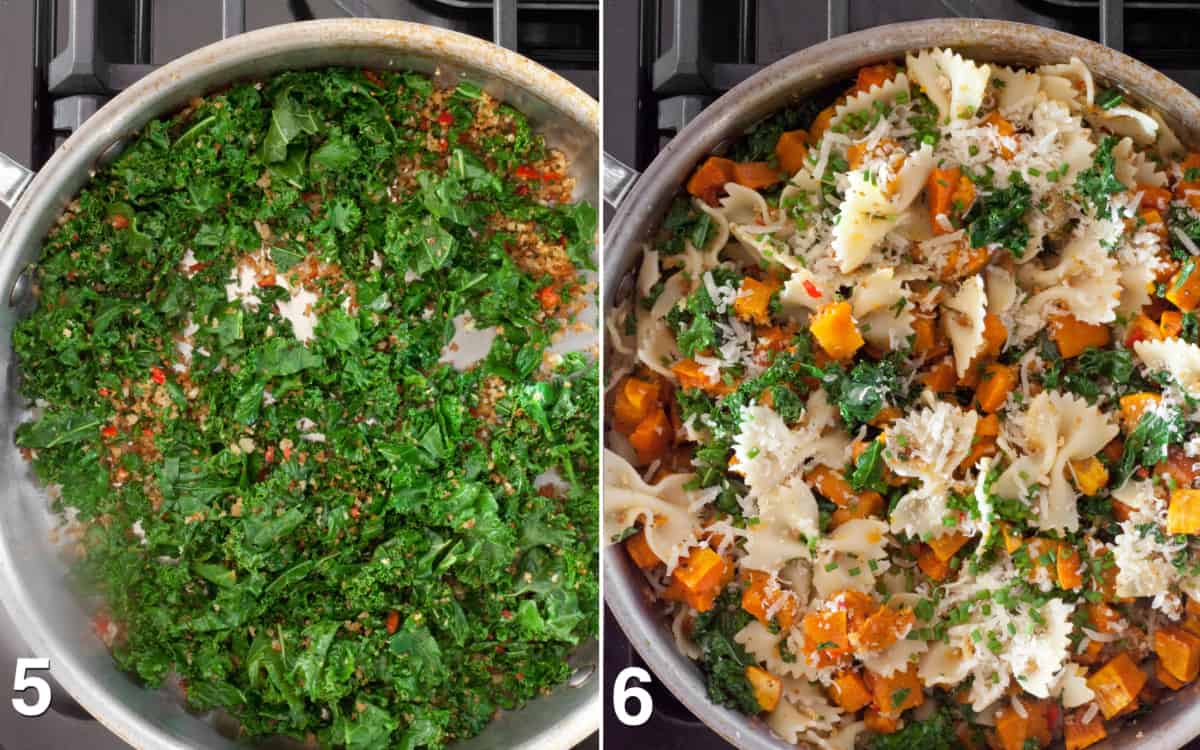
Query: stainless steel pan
{"type": "Point", "coordinates": [1170, 725]}
{"type": "Point", "coordinates": [32, 577]}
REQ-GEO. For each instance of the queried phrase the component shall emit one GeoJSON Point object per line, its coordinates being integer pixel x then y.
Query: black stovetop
{"type": "Point", "coordinates": [62, 59]}
{"type": "Point", "coordinates": [665, 60]}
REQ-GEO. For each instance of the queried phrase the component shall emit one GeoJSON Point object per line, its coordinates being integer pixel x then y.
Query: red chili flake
{"type": "Point", "coordinates": [527, 173]}
{"type": "Point", "coordinates": [812, 290]}
{"type": "Point", "coordinates": [266, 281]}
{"type": "Point", "coordinates": [270, 454]}
{"type": "Point", "coordinates": [522, 190]}
{"type": "Point", "coordinates": [1135, 335]}
{"type": "Point", "coordinates": [119, 222]}
{"type": "Point", "coordinates": [549, 298]}
{"type": "Point", "coordinates": [147, 432]}
{"type": "Point", "coordinates": [108, 431]}
{"type": "Point", "coordinates": [551, 176]}
{"type": "Point", "coordinates": [506, 614]}
{"type": "Point", "coordinates": [104, 392]}
{"type": "Point", "coordinates": [287, 453]}
{"type": "Point", "coordinates": [157, 375]}
{"type": "Point", "coordinates": [446, 118]}
{"type": "Point", "coordinates": [1052, 715]}
{"type": "Point", "coordinates": [393, 622]}
{"type": "Point", "coordinates": [520, 676]}
{"type": "Point", "coordinates": [370, 76]}
{"type": "Point", "coordinates": [354, 511]}
{"type": "Point", "coordinates": [100, 623]}
{"type": "Point", "coordinates": [198, 267]}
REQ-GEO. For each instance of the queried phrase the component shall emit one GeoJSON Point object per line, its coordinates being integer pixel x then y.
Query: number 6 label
{"type": "Point", "coordinates": [623, 692]}
{"type": "Point", "coordinates": [22, 681]}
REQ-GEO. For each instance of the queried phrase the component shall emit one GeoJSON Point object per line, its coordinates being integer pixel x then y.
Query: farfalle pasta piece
{"type": "Point", "coordinates": [1056, 428]}
{"type": "Point", "coordinates": [955, 85]}
{"type": "Point", "coordinates": [1016, 92]}
{"type": "Point", "coordinates": [1175, 356]}
{"type": "Point", "coordinates": [866, 101]}
{"type": "Point", "coordinates": [1070, 83]}
{"type": "Point", "coordinates": [656, 347]}
{"type": "Point", "coordinates": [868, 213]}
{"type": "Point", "coordinates": [667, 510]}
{"type": "Point", "coordinates": [963, 320]}
{"type": "Point", "coordinates": [880, 305]}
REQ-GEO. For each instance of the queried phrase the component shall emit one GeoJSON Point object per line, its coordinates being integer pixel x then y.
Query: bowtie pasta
{"type": "Point", "coordinates": [903, 412]}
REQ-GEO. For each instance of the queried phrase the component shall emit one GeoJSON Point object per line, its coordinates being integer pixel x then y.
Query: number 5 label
{"type": "Point", "coordinates": [623, 693]}
{"type": "Point", "coordinates": [23, 681]}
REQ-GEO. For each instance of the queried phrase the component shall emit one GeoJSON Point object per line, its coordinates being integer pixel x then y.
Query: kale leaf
{"type": "Point", "coordinates": [934, 733]}
{"type": "Point", "coordinates": [1099, 181]}
{"type": "Point", "coordinates": [1147, 445]}
{"type": "Point", "coordinates": [723, 659]}
{"type": "Point", "coordinates": [998, 217]}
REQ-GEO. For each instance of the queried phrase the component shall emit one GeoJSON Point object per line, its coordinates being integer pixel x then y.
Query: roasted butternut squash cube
{"type": "Point", "coordinates": [1074, 337]}
{"type": "Point", "coordinates": [883, 628]}
{"type": "Point", "coordinates": [849, 691]}
{"type": "Point", "coordinates": [759, 598]}
{"type": "Point", "coordinates": [1117, 684]}
{"type": "Point", "coordinates": [899, 692]}
{"type": "Point", "coordinates": [946, 545]}
{"type": "Point", "coordinates": [791, 149]}
{"type": "Point", "coordinates": [767, 687]}
{"type": "Point", "coordinates": [691, 374]}
{"type": "Point", "coordinates": [941, 377]}
{"type": "Point", "coordinates": [826, 639]}
{"type": "Point", "coordinates": [755, 175]}
{"type": "Point", "coordinates": [836, 332]}
{"type": "Point", "coordinates": [1135, 405]}
{"type": "Point", "coordinates": [640, 552]}
{"type": "Point", "coordinates": [698, 578]}
{"type": "Point", "coordinates": [931, 565]}
{"type": "Point", "coordinates": [634, 400]}
{"type": "Point", "coordinates": [1068, 565]}
{"type": "Point", "coordinates": [1183, 514]}
{"type": "Point", "coordinates": [708, 181]}
{"type": "Point", "coordinates": [1166, 678]}
{"type": "Point", "coordinates": [831, 484]}
{"type": "Point", "coordinates": [1184, 288]}
{"type": "Point", "coordinates": [754, 300]}
{"type": "Point", "coordinates": [652, 436]}
{"type": "Point", "coordinates": [1090, 475]}
{"type": "Point", "coordinates": [1178, 652]}
{"type": "Point", "coordinates": [997, 382]}
{"type": "Point", "coordinates": [1078, 734]}
{"type": "Point", "coordinates": [881, 723]}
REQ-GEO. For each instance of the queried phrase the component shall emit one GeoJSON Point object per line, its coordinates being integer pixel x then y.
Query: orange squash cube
{"type": "Point", "coordinates": [767, 687]}
{"type": "Point", "coordinates": [849, 691]}
{"type": "Point", "coordinates": [836, 332]}
{"type": "Point", "coordinates": [931, 565]}
{"type": "Point", "coordinates": [634, 400]}
{"type": "Point", "coordinates": [754, 300]}
{"type": "Point", "coordinates": [640, 552]}
{"type": "Point", "coordinates": [698, 579]}
{"type": "Point", "coordinates": [826, 639]}
{"type": "Point", "coordinates": [1074, 337]}
{"type": "Point", "coordinates": [1117, 685]}
{"type": "Point", "coordinates": [690, 374]}
{"type": "Point", "coordinates": [1183, 514]}
{"type": "Point", "coordinates": [883, 628]}
{"type": "Point", "coordinates": [758, 601]}
{"type": "Point", "coordinates": [1184, 288]}
{"type": "Point", "coordinates": [997, 382]}
{"type": "Point", "coordinates": [1178, 652]}
{"type": "Point", "coordinates": [652, 436]}
{"type": "Point", "coordinates": [791, 149]}
{"type": "Point", "coordinates": [1077, 735]}
{"type": "Point", "coordinates": [946, 545]}
{"type": "Point", "coordinates": [1090, 475]}
{"type": "Point", "coordinates": [1068, 562]}
{"type": "Point", "coordinates": [899, 692]}
{"type": "Point", "coordinates": [1136, 404]}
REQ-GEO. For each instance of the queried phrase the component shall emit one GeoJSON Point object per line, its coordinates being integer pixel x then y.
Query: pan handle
{"type": "Point", "coordinates": [618, 177]}
{"type": "Point", "coordinates": [14, 178]}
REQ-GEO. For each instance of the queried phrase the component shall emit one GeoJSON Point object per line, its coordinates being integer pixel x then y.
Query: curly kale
{"type": "Point", "coordinates": [365, 556]}
{"type": "Point", "coordinates": [723, 659]}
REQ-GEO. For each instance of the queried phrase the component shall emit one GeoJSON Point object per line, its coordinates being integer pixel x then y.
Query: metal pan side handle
{"type": "Point", "coordinates": [617, 179]}
{"type": "Point", "coordinates": [14, 178]}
